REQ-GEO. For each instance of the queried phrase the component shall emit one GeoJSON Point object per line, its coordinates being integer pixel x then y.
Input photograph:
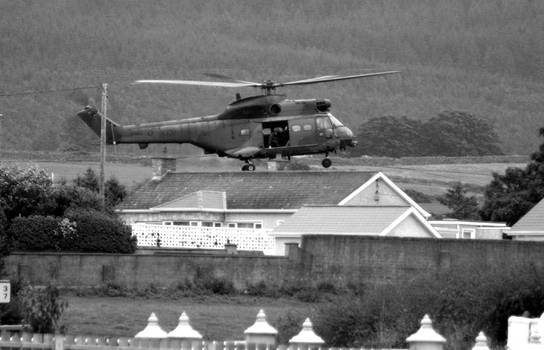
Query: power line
{"type": "Point", "coordinates": [39, 92]}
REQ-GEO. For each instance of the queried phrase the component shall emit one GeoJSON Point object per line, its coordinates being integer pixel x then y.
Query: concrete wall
{"type": "Point", "coordinates": [377, 259]}
{"type": "Point", "coordinates": [335, 258]}
{"type": "Point", "coordinates": [140, 271]}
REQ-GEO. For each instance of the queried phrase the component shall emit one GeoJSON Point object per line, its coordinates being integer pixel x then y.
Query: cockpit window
{"type": "Point", "coordinates": [323, 123]}
{"type": "Point", "coordinates": [337, 123]}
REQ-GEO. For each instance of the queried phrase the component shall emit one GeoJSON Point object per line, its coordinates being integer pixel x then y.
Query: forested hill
{"type": "Point", "coordinates": [483, 57]}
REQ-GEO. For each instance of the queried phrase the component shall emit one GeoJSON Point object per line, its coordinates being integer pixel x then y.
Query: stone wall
{"type": "Point", "coordinates": [322, 258]}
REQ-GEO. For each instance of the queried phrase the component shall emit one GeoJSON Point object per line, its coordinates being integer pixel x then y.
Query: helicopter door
{"type": "Point", "coordinates": [275, 134]}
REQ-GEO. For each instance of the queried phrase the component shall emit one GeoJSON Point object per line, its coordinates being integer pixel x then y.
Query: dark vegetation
{"type": "Point", "coordinates": [510, 196]}
{"type": "Point", "coordinates": [37, 215]}
{"type": "Point", "coordinates": [449, 134]}
{"type": "Point", "coordinates": [481, 57]}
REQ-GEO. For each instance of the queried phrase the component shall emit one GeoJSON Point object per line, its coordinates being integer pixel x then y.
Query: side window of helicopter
{"type": "Point", "coordinates": [323, 123]}
{"type": "Point", "coordinates": [295, 128]}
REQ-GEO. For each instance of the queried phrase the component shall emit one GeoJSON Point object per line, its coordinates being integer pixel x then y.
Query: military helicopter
{"type": "Point", "coordinates": [262, 126]}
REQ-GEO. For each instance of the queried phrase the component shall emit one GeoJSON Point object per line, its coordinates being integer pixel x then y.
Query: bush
{"type": "Point", "coordinates": [461, 303]}
{"type": "Point", "coordinates": [42, 308]}
{"type": "Point", "coordinates": [217, 285]}
{"type": "Point", "coordinates": [289, 325]}
{"type": "Point", "coordinates": [98, 232]}
{"type": "Point", "coordinates": [35, 233]}
{"type": "Point", "coordinates": [81, 230]}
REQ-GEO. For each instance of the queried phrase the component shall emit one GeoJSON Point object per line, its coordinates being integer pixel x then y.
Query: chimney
{"type": "Point", "coordinates": [161, 166]}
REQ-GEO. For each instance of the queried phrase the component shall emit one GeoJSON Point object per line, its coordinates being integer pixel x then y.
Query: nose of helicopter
{"type": "Point", "coordinates": [346, 136]}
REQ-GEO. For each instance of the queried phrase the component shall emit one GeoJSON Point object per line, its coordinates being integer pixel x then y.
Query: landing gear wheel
{"type": "Point", "coordinates": [326, 163]}
{"type": "Point", "coordinates": [248, 167]}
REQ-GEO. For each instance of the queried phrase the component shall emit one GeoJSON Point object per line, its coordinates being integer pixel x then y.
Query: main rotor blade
{"type": "Point", "coordinates": [327, 78]}
{"type": "Point", "coordinates": [226, 77]}
{"type": "Point", "coordinates": [200, 83]}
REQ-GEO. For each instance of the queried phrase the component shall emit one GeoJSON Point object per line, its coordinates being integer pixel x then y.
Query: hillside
{"type": "Point", "coordinates": [483, 57]}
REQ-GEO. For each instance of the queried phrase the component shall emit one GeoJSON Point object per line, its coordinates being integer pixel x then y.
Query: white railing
{"type": "Point", "coordinates": [172, 236]}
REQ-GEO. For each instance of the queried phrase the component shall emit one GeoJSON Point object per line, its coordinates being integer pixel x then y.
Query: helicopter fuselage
{"type": "Point", "coordinates": [255, 127]}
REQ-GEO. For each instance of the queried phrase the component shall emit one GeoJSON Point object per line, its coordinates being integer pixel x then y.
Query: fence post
{"type": "Point", "coordinates": [59, 342]}
{"type": "Point", "coordinates": [184, 333]}
{"type": "Point", "coordinates": [151, 335]}
{"type": "Point", "coordinates": [261, 332]}
{"type": "Point", "coordinates": [426, 338]}
{"type": "Point", "coordinates": [306, 338]}
{"type": "Point", "coordinates": [481, 342]}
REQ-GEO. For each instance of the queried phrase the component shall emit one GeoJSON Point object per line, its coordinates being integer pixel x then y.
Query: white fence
{"type": "Point", "coordinates": [171, 236]}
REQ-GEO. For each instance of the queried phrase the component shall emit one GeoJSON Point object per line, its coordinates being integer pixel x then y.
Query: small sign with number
{"type": "Point", "coordinates": [5, 291]}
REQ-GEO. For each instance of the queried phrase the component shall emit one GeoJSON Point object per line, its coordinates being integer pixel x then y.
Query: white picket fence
{"type": "Point", "coordinates": [171, 236]}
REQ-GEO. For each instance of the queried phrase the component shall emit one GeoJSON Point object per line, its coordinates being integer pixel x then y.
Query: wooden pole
{"type": "Point", "coordinates": [1, 135]}
{"type": "Point", "coordinates": [101, 186]}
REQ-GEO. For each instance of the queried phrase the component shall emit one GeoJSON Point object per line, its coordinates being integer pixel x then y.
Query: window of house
{"type": "Point", "coordinates": [232, 225]}
{"type": "Point", "coordinates": [207, 224]}
{"type": "Point", "coordinates": [307, 127]}
{"type": "Point", "coordinates": [181, 223]}
{"type": "Point", "coordinates": [193, 223]}
{"type": "Point", "coordinates": [167, 222]}
{"type": "Point", "coordinates": [217, 224]}
{"type": "Point", "coordinates": [295, 128]}
{"type": "Point", "coordinates": [468, 233]}
{"type": "Point", "coordinates": [258, 226]}
{"type": "Point", "coordinates": [244, 132]}
{"type": "Point", "coordinates": [244, 224]}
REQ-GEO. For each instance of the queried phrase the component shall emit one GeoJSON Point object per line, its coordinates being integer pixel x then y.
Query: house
{"type": "Point", "coordinates": [531, 226]}
{"type": "Point", "coordinates": [253, 200]}
{"type": "Point", "coordinates": [207, 209]}
{"type": "Point", "coordinates": [392, 221]}
{"type": "Point", "coordinates": [462, 229]}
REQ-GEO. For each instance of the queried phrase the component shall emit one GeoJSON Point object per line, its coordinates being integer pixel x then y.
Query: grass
{"type": "Point", "coordinates": [216, 318]}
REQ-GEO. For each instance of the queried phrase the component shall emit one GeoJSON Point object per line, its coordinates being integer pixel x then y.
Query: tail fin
{"type": "Point", "coordinates": [92, 118]}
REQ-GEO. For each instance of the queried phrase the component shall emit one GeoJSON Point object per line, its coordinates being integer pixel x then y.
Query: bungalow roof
{"type": "Point", "coordinates": [252, 190]}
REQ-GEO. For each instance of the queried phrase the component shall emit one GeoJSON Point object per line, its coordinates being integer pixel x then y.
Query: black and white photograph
{"type": "Point", "coordinates": [271, 174]}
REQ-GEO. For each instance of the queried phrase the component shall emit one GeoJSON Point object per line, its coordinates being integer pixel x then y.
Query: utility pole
{"type": "Point", "coordinates": [1, 135]}
{"type": "Point", "coordinates": [101, 187]}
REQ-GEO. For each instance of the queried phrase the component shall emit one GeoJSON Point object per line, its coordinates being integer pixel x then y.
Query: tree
{"type": "Point", "coordinates": [23, 192]}
{"type": "Point", "coordinates": [454, 133]}
{"type": "Point", "coordinates": [451, 133]}
{"type": "Point", "coordinates": [510, 196]}
{"type": "Point", "coordinates": [462, 206]}
{"type": "Point", "coordinates": [88, 180]}
{"type": "Point", "coordinates": [389, 136]}
{"type": "Point", "coordinates": [115, 192]}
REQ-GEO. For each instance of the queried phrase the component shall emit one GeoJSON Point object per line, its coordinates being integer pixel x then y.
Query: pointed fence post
{"type": "Point", "coordinates": [184, 334]}
{"type": "Point", "coordinates": [481, 342]}
{"type": "Point", "coordinates": [261, 332]}
{"type": "Point", "coordinates": [306, 338]}
{"type": "Point", "coordinates": [426, 338]}
{"type": "Point", "coordinates": [151, 335]}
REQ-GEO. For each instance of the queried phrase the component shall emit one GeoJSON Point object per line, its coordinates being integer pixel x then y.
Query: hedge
{"type": "Point", "coordinates": [80, 230]}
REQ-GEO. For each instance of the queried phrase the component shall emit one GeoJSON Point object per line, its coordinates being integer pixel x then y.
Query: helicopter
{"type": "Point", "coordinates": [268, 125]}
